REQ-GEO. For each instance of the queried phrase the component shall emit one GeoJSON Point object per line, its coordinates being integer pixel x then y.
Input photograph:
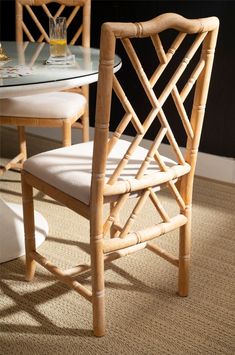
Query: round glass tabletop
{"type": "Point", "coordinates": [32, 57]}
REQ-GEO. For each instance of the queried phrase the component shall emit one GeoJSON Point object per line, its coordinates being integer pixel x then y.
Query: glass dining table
{"type": "Point", "coordinates": [27, 72]}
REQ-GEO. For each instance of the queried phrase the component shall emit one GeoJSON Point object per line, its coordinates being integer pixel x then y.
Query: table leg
{"type": "Point", "coordinates": [12, 243]}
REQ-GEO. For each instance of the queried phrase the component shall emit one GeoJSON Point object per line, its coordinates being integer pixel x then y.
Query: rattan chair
{"type": "Point", "coordinates": [54, 109]}
{"type": "Point", "coordinates": [113, 170]}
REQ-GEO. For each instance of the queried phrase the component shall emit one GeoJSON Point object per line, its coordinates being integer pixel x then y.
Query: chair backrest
{"type": "Point", "coordinates": [197, 38]}
{"type": "Point", "coordinates": [32, 19]}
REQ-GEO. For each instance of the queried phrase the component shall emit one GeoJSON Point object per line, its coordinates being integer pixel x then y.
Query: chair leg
{"type": "Point", "coordinates": [29, 227]}
{"type": "Point", "coordinates": [67, 134]}
{"type": "Point", "coordinates": [17, 161]}
{"type": "Point", "coordinates": [85, 129]}
{"type": "Point", "coordinates": [98, 301]}
{"type": "Point", "coordinates": [22, 143]}
{"type": "Point", "coordinates": [184, 256]}
{"type": "Point", "coordinates": [85, 117]}
{"type": "Point", "coordinates": [113, 231]}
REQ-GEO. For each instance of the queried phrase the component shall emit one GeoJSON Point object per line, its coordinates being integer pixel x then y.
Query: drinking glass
{"type": "Point", "coordinates": [58, 37]}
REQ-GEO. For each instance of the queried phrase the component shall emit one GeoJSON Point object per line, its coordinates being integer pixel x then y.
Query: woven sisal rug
{"type": "Point", "coordinates": [144, 313]}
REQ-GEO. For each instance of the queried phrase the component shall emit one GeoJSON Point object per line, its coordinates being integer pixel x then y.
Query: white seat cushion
{"type": "Point", "coordinates": [61, 105]}
{"type": "Point", "coordinates": [69, 168]}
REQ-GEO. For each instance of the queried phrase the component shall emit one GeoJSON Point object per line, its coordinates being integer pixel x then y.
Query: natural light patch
{"type": "Point", "coordinates": [43, 280]}
{"type": "Point", "coordinates": [68, 310]}
{"type": "Point", "coordinates": [5, 303]}
{"type": "Point", "coordinates": [20, 318]}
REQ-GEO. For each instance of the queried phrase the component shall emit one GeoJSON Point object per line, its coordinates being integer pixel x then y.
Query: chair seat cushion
{"type": "Point", "coordinates": [60, 105]}
{"type": "Point", "coordinates": [69, 168]}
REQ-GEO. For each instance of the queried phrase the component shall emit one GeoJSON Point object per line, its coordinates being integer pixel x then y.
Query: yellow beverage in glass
{"type": "Point", "coordinates": [58, 47]}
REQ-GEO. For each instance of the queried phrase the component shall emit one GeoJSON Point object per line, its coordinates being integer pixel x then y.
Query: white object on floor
{"type": "Point", "coordinates": [12, 243]}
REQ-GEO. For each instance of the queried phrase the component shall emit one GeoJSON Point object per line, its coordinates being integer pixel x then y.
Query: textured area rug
{"type": "Point", "coordinates": [144, 313]}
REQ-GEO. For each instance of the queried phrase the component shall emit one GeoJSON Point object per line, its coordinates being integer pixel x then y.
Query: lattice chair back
{"type": "Point", "coordinates": [32, 19]}
{"type": "Point", "coordinates": [140, 172]}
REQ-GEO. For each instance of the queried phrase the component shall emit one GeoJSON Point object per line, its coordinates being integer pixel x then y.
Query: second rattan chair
{"type": "Point", "coordinates": [54, 109]}
{"type": "Point", "coordinates": [113, 170]}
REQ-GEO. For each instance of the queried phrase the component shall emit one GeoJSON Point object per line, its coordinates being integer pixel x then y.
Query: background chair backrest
{"type": "Point", "coordinates": [188, 55]}
{"type": "Point", "coordinates": [32, 19]}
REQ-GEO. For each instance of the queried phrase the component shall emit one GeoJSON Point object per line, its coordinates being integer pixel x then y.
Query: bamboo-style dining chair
{"type": "Point", "coordinates": [49, 109]}
{"type": "Point", "coordinates": [112, 170]}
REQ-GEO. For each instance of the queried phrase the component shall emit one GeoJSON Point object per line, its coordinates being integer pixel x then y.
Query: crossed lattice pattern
{"type": "Point", "coordinates": [141, 129]}
{"type": "Point", "coordinates": [39, 15]}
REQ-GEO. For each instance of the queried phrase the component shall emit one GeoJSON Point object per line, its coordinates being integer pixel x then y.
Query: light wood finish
{"type": "Point", "coordinates": [109, 238]}
{"type": "Point", "coordinates": [81, 34]}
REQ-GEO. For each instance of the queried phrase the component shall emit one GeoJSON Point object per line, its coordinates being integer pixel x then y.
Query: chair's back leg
{"type": "Point", "coordinates": [29, 227]}
{"type": "Point", "coordinates": [98, 296]}
{"type": "Point", "coordinates": [184, 255]}
{"type": "Point", "coordinates": [113, 230]}
{"type": "Point", "coordinates": [85, 116]}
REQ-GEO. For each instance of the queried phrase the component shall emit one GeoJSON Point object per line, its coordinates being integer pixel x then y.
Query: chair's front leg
{"type": "Point", "coordinates": [67, 134]}
{"type": "Point", "coordinates": [29, 227]}
{"type": "Point", "coordinates": [22, 143]}
{"type": "Point", "coordinates": [98, 290]}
